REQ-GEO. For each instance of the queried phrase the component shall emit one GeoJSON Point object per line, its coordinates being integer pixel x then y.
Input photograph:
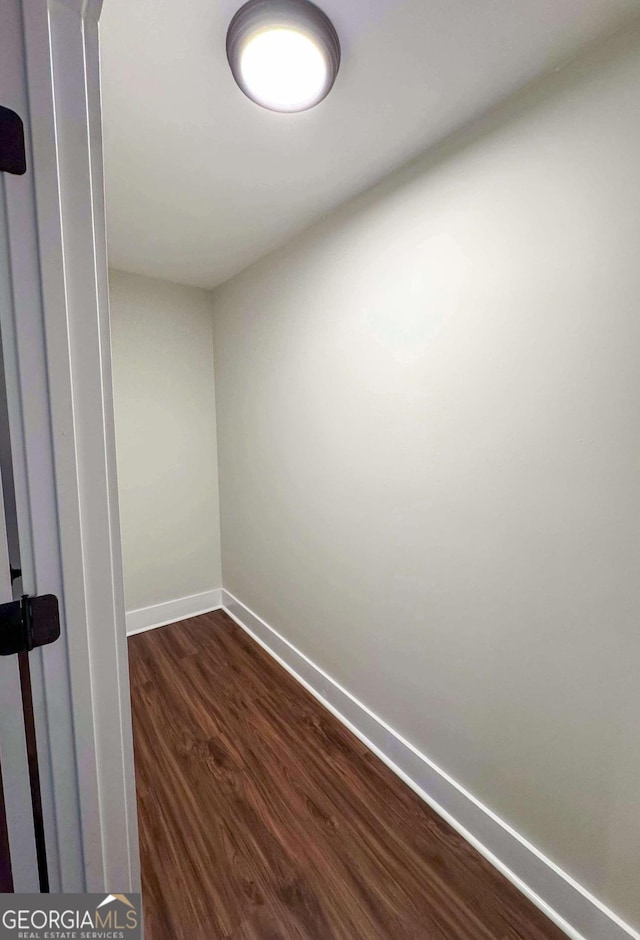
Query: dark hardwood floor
{"type": "Point", "coordinates": [263, 818]}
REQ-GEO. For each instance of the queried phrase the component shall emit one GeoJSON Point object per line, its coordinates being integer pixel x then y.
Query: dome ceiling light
{"type": "Point", "coordinates": [284, 54]}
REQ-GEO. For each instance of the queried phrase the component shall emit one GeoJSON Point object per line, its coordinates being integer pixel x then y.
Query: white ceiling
{"type": "Point", "coordinates": [201, 182]}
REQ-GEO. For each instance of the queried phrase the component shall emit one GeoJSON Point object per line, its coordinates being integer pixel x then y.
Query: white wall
{"type": "Point", "coordinates": [162, 336]}
{"type": "Point", "coordinates": [429, 430]}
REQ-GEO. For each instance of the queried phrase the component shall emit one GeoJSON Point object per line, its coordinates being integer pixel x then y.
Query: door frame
{"type": "Point", "coordinates": [64, 453]}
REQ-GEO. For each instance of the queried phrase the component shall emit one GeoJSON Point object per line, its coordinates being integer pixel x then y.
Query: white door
{"type": "Point", "coordinates": [23, 863]}
{"type": "Point", "coordinates": [55, 334]}
{"type": "Point", "coordinates": [19, 782]}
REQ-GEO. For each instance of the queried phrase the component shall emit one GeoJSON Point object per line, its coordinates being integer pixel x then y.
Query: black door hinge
{"type": "Point", "coordinates": [13, 157]}
{"type": "Point", "coordinates": [27, 623]}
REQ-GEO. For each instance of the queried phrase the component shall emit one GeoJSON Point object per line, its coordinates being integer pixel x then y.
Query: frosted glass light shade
{"type": "Point", "coordinates": [284, 54]}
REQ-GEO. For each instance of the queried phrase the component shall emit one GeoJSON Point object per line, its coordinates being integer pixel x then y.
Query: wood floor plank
{"type": "Point", "coordinates": [263, 818]}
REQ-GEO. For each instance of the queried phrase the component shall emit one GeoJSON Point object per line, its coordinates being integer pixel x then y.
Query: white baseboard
{"type": "Point", "coordinates": [159, 615]}
{"type": "Point", "coordinates": [580, 915]}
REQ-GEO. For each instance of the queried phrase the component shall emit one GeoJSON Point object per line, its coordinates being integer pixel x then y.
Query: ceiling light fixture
{"type": "Point", "coordinates": [284, 54]}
